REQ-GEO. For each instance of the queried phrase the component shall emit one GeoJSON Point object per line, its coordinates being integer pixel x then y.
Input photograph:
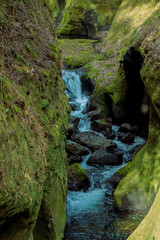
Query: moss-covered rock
{"type": "Point", "coordinates": [131, 26]}
{"type": "Point", "coordinates": [77, 178]}
{"type": "Point", "coordinates": [85, 17]}
{"type": "Point", "coordinates": [78, 52]}
{"type": "Point", "coordinates": [149, 227]}
{"type": "Point", "coordinates": [33, 122]}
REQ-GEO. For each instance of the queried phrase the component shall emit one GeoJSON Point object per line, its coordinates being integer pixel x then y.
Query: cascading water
{"type": "Point", "coordinates": [90, 214]}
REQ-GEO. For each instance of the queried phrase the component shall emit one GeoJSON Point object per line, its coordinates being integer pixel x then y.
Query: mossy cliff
{"type": "Point", "coordinates": [34, 117]}
{"type": "Point", "coordinates": [86, 17]}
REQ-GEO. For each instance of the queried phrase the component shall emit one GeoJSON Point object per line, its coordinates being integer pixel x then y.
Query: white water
{"type": "Point", "coordinates": [92, 201]}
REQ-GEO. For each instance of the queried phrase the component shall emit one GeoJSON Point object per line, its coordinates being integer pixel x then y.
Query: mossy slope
{"type": "Point", "coordinates": [34, 118]}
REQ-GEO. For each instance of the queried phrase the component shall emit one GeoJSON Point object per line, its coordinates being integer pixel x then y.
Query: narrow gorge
{"type": "Point", "coordinates": [80, 119]}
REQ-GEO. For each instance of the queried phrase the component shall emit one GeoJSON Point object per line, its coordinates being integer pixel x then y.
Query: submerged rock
{"type": "Point", "coordinates": [93, 141]}
{"type": "Point", "coordinates": [102, 157]}
{"type": "Point", "coordinates": [77, 178]}
{"type": "Point", "coordinates": [75, 148]}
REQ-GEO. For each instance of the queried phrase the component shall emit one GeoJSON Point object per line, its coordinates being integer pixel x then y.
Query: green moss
{"type": "Point", "coordinates": [34, 118]}
{"type": "Point", "coordinates": [78, 52]}
{"type": "Point", "coordinates": [79, 171]}
{"type": "Point", "coordinates": [77, 13]}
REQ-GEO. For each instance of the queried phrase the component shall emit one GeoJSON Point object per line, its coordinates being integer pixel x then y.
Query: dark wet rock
{"type": "Point", "coordinates": [74, 159]}
{"type": "Point", "coordinates": [91, 104]}
{"type": "Point", "coordinates": [125, 127]}
{"type": "Point", "coordinates": [93, 141]}
{"type": "Point", "coordinates": [75, 107]}
{"type": "Point", "coordinates": [101, 125]}
{"type": "Point", "coordinates": [126, 137]}
{"type": "Point", "coordinates": [75, 148]}
{"type": "Point", "coordinates": [75, 121]}
{"type": "Point", "coordinates": [115, 179]}
{"type": "Point", "coordinates": [102, 157]}
{"type": "Point", "coordinates": [77, 178]}
{"type": "Point", "coordinates": [96, 114]}
{"type": "Point", "coordinates": [87, 85]}
{"type": "Point", "coordinates": [71, 130]}
{"type": "Point", "coordinates": [108, 134]}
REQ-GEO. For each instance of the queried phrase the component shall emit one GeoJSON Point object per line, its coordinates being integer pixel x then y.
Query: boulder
{"type": "Point", "coordinates": [96, 114]}
{"type": "Point", "coordinates": [102, 157]}
{"type": "Point", "coordinates": [101, 125]}
{"type": "Point", "coordinates": [109, 134]}
{"type": "Point", "coordinates": [74, 159]}
{"type": "Point", "coordinates": [125, 127]}
{"type": "Point", "coordinates": [77, 178]}
{"type": "Point", "coordinates": [126, 137]}
{"type": "Point", "coordinates": [75, 148]}
{"type": "Point", "coordinates": [93, 141]}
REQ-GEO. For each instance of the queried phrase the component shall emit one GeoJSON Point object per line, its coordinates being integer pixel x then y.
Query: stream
{"type": "Point", "coordinates": [90, 214]}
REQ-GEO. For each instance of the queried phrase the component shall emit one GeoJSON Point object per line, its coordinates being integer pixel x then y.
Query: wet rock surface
{"type": "Point", "coordinates": [75, 148]}
{"type": "Point", "coordinates": [93, 141]}
{"type": "Point", "coordinates": [126, 137]}
{"type": "Point", "coordinates": [102, 157]}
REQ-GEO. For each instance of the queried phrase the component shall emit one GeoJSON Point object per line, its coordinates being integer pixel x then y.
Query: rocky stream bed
{"type": "Point", "coordinates": [96, 151]}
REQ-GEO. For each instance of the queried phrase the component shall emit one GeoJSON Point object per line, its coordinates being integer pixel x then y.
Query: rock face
{"type": "Point", "coordinates": [75, 148]}
{"type": "Point", "coordinates": [93, 141]}
{"type": "Point", "coordinates": [84, 18]}
{"type": "Point", "coordinates": [102, 157]}
{"type": "Point", "coordinates": [34, 116]}
{"type": "Point", "coordinates": [77, 178]}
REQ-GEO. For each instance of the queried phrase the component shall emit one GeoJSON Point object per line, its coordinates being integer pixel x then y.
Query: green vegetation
{"type": "Point", "coordinates": [34, 118]}
{"type": "Point", "coordinates": [85, 17]}
{"type": "Point", "coordinates": [78, 52]}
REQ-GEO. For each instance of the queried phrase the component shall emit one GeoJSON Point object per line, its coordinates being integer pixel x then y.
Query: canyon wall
{"type": "Point", "coordinates": [34, 118]}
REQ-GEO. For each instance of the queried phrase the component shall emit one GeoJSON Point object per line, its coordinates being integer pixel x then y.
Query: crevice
{"type": "Point", "coordinates": [137, 100]}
